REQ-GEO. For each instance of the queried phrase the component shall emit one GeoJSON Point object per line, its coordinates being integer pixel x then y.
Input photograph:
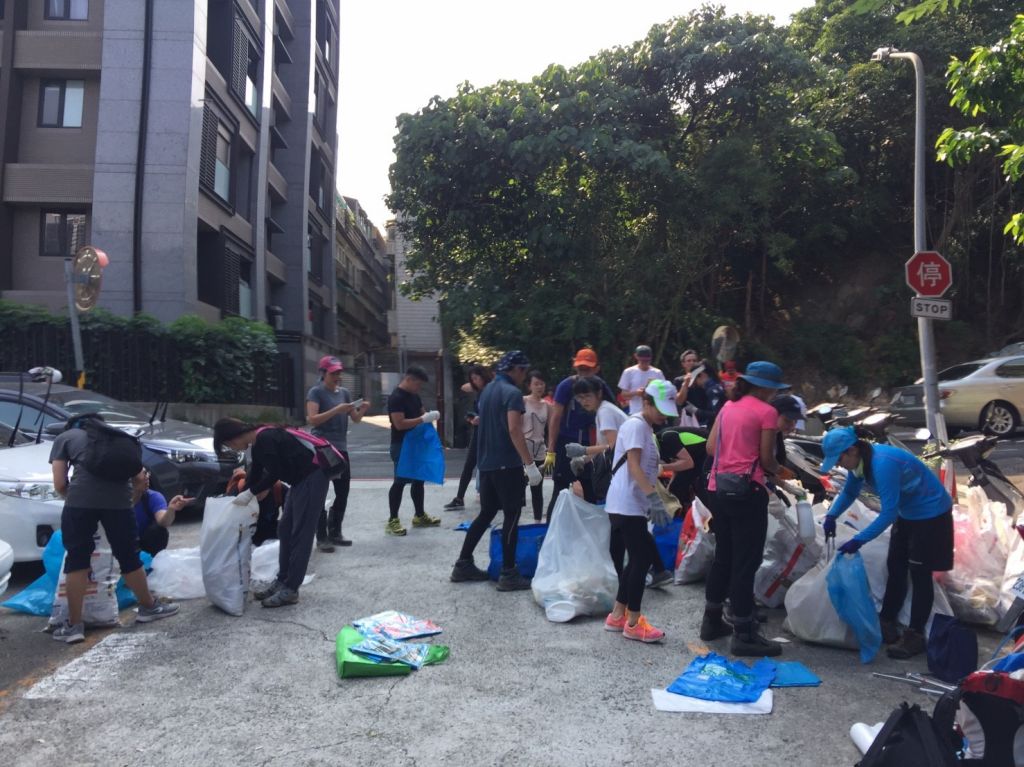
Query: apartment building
{"type": "Point", "coordinates": [194, 141]}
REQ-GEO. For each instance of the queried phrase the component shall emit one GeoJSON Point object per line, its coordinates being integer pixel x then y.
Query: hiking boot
{"type": "Point", "coordinates": [394, 527]}
{"type": "Point", "coordinates": [325, 546]}
{"type": "Point", "coordinates": [269, 590]}
{"type": "Point", "coordinates": [712, 626]}
{"type": "Point", "coordinates": [339, 540]}
{"type": "Point", "coordinates": [729, 618]}
{"type": "Point", "coordinates": [425, 520]}
{"type": "Point", "coordinates": [466, 570]}
{"type": "Point", "coordinates": [643, 631]}
{"type": "Point", "coordinates": [911, 643]}
{"type": "Point", "coordinates": [511, 580]}
{"type": "Point", "coordinates": [156, 612]}
{"type": "Point", "coordinates": [890, 631]}
{"type": "Point", "coordinates": [65, 632]}
{"type": "Point", "coordinates": [283, 596]}
{"type": "Point", "coordinates": [657, 580]}
{"type": "Point", "coordinates": [455, 504]}
{"type": "Point", "coordinates": [747, 641]}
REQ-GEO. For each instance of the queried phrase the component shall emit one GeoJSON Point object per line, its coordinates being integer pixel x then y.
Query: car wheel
{"type": "Point", "coordinates": [999, 418]}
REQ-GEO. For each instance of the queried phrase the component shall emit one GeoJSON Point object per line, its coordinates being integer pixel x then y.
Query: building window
{"type": "Point", "coordinates": [60, 103]}
{"type": "Point", "coordinates": [324, 32]}
{"type": "Point", "coordinates": [315, 244]}
{"type": "Point", "coordinates": [318, 180]}
{"type": "Point", "coordinates": [62, 233]}
{"type": "Point", "coordinates": [245, 289]}
{"type": "Point", "coordinates": [67, 10]}
{"type": "Point", "coordinates": [222, 178]}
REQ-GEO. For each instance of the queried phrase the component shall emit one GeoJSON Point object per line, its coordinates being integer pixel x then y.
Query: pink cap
{"type": "Point", "coordinates": [331, 364]}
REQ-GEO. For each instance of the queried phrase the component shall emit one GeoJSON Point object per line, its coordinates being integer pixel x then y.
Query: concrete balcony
{"type": "Point", "coordinates": [276, 182]}
{"type": "Point", "coordinates": [283, 99]}
{"type": "Point", "coordinates": [58, 51]}
{"type": "Point", "coordinates": [286, 25]}
{"type": "Point", "coordinates": [34, 182]}
{"type": "Point", "coordinates": [275, 267]}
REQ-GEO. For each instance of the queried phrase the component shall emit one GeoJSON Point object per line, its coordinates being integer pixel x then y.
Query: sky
{"type": "Point", "coordinates": [397, 54]}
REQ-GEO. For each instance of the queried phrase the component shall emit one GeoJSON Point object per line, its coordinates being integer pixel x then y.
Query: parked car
{"type": "Point", "coordinates": [178, 454]}
{"type": "Point", "coordinates": [981, 394]}
{"type": "Point", "coordinates": [29, 506]}
{"type": "Point", "coordinates": [6, 563]}
{"type": "Point", "coordinates": [1010, 350]}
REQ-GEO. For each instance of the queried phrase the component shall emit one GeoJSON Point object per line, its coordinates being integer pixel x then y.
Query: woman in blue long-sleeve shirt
{"type": "Point", "coordinates": [920, 511]}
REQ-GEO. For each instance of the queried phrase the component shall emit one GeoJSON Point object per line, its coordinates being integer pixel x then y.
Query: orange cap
{"type": "Point", "coordinates": [586, 358]}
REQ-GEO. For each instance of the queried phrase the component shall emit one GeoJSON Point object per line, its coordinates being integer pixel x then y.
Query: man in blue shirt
{"type": "Point", "coordinates": [502, 460]}
{"type": "Point", "coordinates": [154, 515]}
{"type": "Point", "coordinates": [920, 511]}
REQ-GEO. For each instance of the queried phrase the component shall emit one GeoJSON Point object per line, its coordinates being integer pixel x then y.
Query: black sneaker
{"type": "Point", "coordinates": [454, 504]}
{"type": "Point", "coordinates": [325, 546]}
{"type": "Point", "coordinates": [748, 642]}
{"type": "Point", "coordinates": [340, 540]}
{"type": "Point", "coordinates": [283, 596]}
{"type": "Point", "coordinates": [466, 570]}
{"type": "Point", "coordinates": [511, 580]}
{"type": "Point", "coordinates": [267, 591]}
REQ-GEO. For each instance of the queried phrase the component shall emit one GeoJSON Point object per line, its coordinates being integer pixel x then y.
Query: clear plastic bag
{"type": "Point", "coordinates": [177, 574]}
{"type": "Point", "coordinates": [575, 574]}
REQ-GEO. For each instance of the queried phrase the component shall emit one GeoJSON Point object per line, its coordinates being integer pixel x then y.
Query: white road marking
{"type": "Point", "coordinates": [87, 673]}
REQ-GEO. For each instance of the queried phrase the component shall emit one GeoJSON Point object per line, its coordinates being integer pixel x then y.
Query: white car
{"type": "Point", "coordinates": [29, 506]}
{"type": "Point", "coordinates": [6, 563]}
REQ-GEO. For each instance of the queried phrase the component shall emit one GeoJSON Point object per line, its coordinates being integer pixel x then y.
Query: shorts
{"type": "Point", "coordinates": [924, 543]}
{"type": "Point", "coordinates": [78, 526]}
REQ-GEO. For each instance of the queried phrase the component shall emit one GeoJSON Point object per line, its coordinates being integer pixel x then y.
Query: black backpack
{"type": "Point", "coordinates": [110, 453]}
{"type": "Point", "coordinates": [994, 702]}
{"type": "Point", "coordinates": [909, 738]}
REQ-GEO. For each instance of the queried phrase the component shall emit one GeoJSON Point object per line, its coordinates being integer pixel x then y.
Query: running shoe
{"type": "Point", "coordinates": [611, 623]}
{"type": "Point", "coordinates": [68, 633]}
{"type": "Point", "coordinates": [656, 580]}
{"type": "Point", "coordinates": [643, 631]}
{"type": "Point", "coordinates": [160, 609]}
{"type": "Point", "coordinates": [425, 520]}
{"type": "Point", "coordinates": [394, 527]}
{"type": "Point", "coordinates": [454, 504]}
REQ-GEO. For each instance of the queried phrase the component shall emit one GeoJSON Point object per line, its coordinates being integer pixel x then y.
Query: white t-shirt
{"type": "Point", "coordinates": [634, 378]}
{"type": "Point", "coordinates": [609, 418]}
{"type": "Point", "coordinates": [624, 495]}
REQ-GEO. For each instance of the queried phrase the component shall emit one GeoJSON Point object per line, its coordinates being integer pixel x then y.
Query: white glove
{"type": "Point", "coordinates": [575, 450]}
{"type": "Point", "coordinates": [657, 511]}
{"type": "Point", "coordinates": [356, 404]}
{"type": "Point", "coordinates": [430, 416]}
{"type": "Point", "coordinates": [577, 464]}
{"type": "Point", "coordinates": [244, 498]}
{"type": "Point", "coordinates": [533, 475]}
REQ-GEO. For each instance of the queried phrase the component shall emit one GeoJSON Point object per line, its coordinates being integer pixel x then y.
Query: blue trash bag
{"type": "Point", "coordinates": [952, 649]}
{"type": "Point", "coordinates": [531, 538]}
{"type": "Point", "coordinates": [37, 597]}
{"type": "Point", "coordinates": [667, 540]}
{"type": "Point", "coordinates": [422, 456]}
{"type": "Point", "coordinates": [712, 677]}
{"type": "Point", "coordinates": [851, 597]}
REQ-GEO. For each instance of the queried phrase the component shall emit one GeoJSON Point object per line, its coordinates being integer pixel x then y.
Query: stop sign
{"type": "Point", "coordinates": [929, 274]}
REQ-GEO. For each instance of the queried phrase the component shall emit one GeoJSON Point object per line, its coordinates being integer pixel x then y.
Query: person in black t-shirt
{"type": "Point", "coordinates": [405, 409]}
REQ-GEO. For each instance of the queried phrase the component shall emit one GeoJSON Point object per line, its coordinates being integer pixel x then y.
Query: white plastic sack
{"type": "Point", "coordinates": [696, 549]}
{"type": "Point", "coordinates": [683, 704]}
{"type": "Point", "coordinates": [177, 574]}
{"type": "Point", "coordinates": [786, 559]}
{"type": "Point", "coordinates": [99, 607]}
{"type": "Point", "coordinates": [225, 551]}
{"type": "Point", "coordinates": [575, 574]}
{"type": "Point", "coordinates": [265, 561]}
{"type": "Point", "coordinates": [810, 615]}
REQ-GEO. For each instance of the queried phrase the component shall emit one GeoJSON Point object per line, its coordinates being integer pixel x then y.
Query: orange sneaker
{"type": "Point", "coordinates": [611, 623]}
{"type": "Point", "coordinates": [643, 631]}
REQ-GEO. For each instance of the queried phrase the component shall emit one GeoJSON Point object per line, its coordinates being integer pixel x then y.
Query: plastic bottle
{"type": "Point", "coordinates": [805, 520]}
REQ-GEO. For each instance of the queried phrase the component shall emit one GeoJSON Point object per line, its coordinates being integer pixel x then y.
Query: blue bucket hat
{"type": "Point", "coordinates": [512, 359]}
{"type": "Point", "coordinates": [835, 443]}
{"type": "Point", "coordinates": [767, 375]}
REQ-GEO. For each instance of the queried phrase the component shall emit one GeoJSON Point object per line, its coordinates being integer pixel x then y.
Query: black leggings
{"type": "Point", "coordinates": [631, 536]}
{"type": "Point", "coordinates": [500, 490]}
{"type": "Point", "coordinates": [468, 466]}
{"type": "Point", "coordinates": [896, 591]}
{"type": "Point", "coordinates": [537, 496]}
{"type": "Point", "coordinates": [740, 531]}
{"type": "Point", "coordinates": [395, 493]}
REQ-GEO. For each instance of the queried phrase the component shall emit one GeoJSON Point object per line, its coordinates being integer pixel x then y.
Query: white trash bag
{"type": "Point", "coordinates": [809, 612]}
{"type": "Point", "coordinates": [265, 561]}
{"type": "Point", "coordinates": [99, 608]}
{"type": "Point", "coordinates": [696, 549]}
{"type": "Point", "coordinates": [786, 558]}
{"type": "Point", "coordinates": [225, 551]}
{"type": "Point", "coordinates": [177, 574]}
{"type": "Point", "coordinates": [575, 574]}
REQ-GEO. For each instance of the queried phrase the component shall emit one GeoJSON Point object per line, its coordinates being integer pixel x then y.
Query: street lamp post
{"type": "Point", "coordinates": [933, 418]}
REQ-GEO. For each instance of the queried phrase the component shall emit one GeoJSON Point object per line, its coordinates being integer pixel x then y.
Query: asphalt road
{"type": "Point", "coordinates": [204, 687]}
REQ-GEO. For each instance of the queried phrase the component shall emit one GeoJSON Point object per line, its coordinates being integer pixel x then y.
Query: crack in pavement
{"type": "Point", "coordinates": [321, 632]}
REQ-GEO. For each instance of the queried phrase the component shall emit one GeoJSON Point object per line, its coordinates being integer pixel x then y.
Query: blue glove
{"type": "Point", "coordinates": [829, 525]}
{"type": "Point", "coordinates": [852, 546]}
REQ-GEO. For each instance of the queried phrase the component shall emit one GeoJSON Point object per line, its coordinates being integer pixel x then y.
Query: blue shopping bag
{"type": "Point", "coordinates": [667, 540]}
{"type": "Point", "coordinates": [851, 597]}
{"type": "Point", "coordinates": [712, 677]}
{"type": "Point", "coordinates": [531, 538]}
{"type": "Point", "coordinates": [422, 456]}
{"type": "Point", "coordinates": [952, 649]}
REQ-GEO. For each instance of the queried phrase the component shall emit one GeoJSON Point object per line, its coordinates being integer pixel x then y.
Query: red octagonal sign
{"type": "Point", "coordinates": [929, 274]}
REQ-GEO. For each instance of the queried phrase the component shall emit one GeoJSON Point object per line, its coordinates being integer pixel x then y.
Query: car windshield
{"type": "Point", "coordinates": [79, 402]}
{"type": "Point", "coordinates": [957, 372]}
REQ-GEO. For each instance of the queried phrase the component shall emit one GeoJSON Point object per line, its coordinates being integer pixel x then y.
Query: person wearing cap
{"type": "Point", "coordinates": [329, 406]}
{"type": "Point", "coordinates": [742, 441]}
{"type": "Point", "coordinates": [406, 412]}
{"type": "Point", "coordinates": [279, 456]}
{"type": "Point", "coordinates": [632, 501]}
{"type": "Point", "coordinates": [634, 379]}
{"type": "Point", "coordinates": [570, 422]}
{"type": "Point", "coordinates": [920, 511]}
{"type": "Point", "coordinates": [790, 413]}
{"type": "Point", "coordinates": [506, 465]}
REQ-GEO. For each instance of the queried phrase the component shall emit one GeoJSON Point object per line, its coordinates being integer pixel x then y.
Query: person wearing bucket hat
{"type": "Point", "coordinates": [920, 511]}
{"type": "Point", "coordinates": [570, 422]}
{"type": "Point", "coordinates": [632, 500]}
{"type": "Point", "coordinates": [329, 406]}
{"type": "Point", "coordinates": [742, 441]}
